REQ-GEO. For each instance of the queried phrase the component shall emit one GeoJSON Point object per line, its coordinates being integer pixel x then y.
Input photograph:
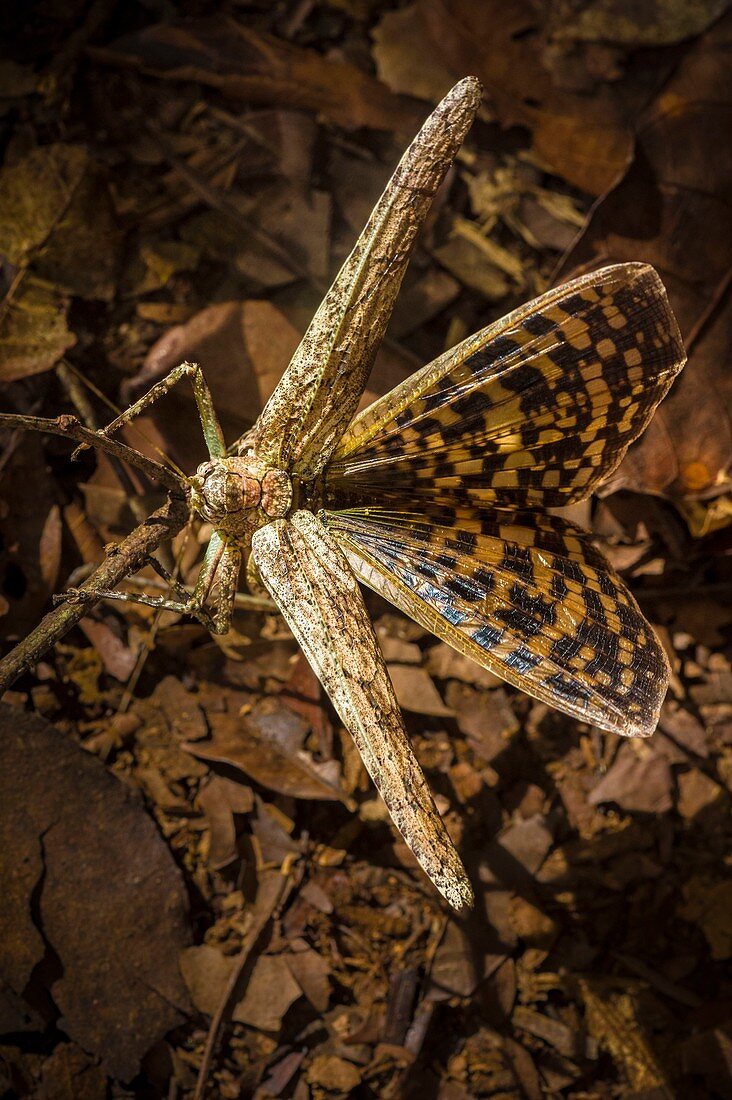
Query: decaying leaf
{"type": "Point", "coordinates": [56, 213]}
{"type": "Point", "coordinates": [116, 936]}
{"type": "Point", "coordinates": [587, 140]}
{"type": "Point", "coordinates": [613, 1021]}
{"type": "Point", "coordinates": [259, 68]}
{"type": "Point", "coordinates": [58, 231]}
{"type": "Point", "coordinates": [270, 992]}
{"type": "Point", "coordinates": [672, 209]}
{"type": "Point", "coordinates": [661, 23]}
{"type": "Point", "coordinates": [637, 783]}
{"type": "Point", "coordinates": [267, 745]}
{"type": "Point", "coordinates": [206, 972]}
{"type": "Point", "coordinates": [34, 332]}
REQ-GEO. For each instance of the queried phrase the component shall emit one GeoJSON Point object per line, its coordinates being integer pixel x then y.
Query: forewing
{"type": "Point", "coordinates": [534, 410]}
{"type": "Point", "coordinates": [308, 577]}
{"type": "Point", "coordinates": [526, 596]}
{"type": "Point", "coordinates": [320, 390]}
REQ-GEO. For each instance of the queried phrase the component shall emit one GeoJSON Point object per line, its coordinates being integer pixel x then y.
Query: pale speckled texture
{"type": "Point", "coordinates": [308, 576]}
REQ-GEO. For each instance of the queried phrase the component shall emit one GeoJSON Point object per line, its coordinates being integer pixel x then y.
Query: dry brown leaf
{"type": "Point", "coordinates": [258, 68]}
{"type": "Point", "coordinates": [416, 692]}
{"type": "Point", "coordinates": [630, 23]}
{"type": "Point", "coordinates": [56, 213]}
{"type": "Point", "coordinates": [270, 992]}
{"type": "Point", "coordinates": [485, 717]}
{"type": "Point", "coordinates": [181, 708]}
{"type": "Point", "coordinates": [206, 972]}
{"type": "Point", "coordinates": [638, 784]}
{"type": "Point", "coordinates": [311, 972]}
{"type": "Point", "coordinates": [107, 896]}
{"type": "Point", "coordinates": [445, 663]}
{"type": "Point", "coordinates": [405, 57]}
{"type": "Point", "coordinates": [118, 658]}
{"type": "Point", "coordinates": [672, 210]}
{"type": "Point", "coordinates": [266, 745]}
{"type": "Point", "coordinates": [696, 792]}
{"type": "Point", "coordinates": [220, 799]}
{"type": "Point", "coordinates": [33, 330]}
{"type": "Point", "coordinates": [585, 139]}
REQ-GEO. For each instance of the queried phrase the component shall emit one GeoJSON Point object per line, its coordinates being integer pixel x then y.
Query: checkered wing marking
{"type": "Point", "coordinates": [534, 410]}
{"type": "Point", "coordinates": [315, 399]}
{"type": "Point", "coordinates": [526, 596]}
{"type": "Point", "coordinates": [309, 578]}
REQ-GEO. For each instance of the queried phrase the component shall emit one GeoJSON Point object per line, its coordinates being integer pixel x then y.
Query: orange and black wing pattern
{"type": "Point", "coordinates": [526, 596]}
{"type": "Point", "coordinates": [534, 410]}
{"type": "Point", "coordinates": [438, 493]}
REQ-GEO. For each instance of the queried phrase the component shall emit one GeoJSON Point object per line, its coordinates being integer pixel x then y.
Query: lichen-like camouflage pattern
{"type": "Point", "coordinates": [436, 496]}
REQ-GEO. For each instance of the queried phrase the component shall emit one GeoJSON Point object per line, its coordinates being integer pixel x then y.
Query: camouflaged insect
{"type": "Point", "coordinates": [436, 495]}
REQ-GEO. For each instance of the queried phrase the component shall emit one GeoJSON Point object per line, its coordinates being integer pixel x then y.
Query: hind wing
{"type": "Point", "coordinates": [534, 410]}
{"type": "Point", "coordinates": [526, 596]}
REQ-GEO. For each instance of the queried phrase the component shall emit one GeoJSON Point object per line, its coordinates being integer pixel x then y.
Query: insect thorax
{"type": "Point", "coordinates": [238, 495]}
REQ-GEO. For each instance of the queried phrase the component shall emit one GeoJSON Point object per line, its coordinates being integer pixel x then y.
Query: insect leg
{"type": "Point", "coordinates": [209, 421]}
{"type": "Point", "coordinates": [189, 604]}
{"type": "Point", "coordinates": [160, 603]}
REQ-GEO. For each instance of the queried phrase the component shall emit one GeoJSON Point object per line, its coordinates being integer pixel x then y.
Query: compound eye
{"type": "Point", "coordinates": [221, 491]}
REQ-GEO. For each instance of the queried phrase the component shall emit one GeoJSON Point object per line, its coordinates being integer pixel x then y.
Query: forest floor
{"type": "Point", "coordinates": [190, 847]}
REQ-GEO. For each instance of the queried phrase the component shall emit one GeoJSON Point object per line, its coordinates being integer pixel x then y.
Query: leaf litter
{"type": "Point", "coordinates": [207, 178]}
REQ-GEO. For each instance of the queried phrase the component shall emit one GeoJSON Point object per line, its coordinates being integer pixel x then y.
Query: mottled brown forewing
{"type": "Point", "coordinates": [307, 574]}
{"type": "Point", "coordinates": [314, 401]}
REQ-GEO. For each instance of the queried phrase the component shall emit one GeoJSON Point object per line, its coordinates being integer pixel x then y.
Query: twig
{"type": "Point", "coordinates": [127, 557]}
{"type": "Point", "coordinates": [70, 427]}
{"type": "Point", "coordinates": [254, 940]}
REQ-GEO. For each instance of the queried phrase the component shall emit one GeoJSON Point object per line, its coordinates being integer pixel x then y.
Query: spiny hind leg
{"type": "Point", "coordinates": [221, 562]}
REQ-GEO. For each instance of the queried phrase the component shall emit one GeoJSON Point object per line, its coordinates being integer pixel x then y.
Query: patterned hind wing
{"type": "Point", "coordinates": [317, 396]}
{"type": "Point", "coordinates": [534, 410]}
{"type": "Point", "coordinates": [308, 577]}
{"type": "Point", "coordinates": [526, 596]}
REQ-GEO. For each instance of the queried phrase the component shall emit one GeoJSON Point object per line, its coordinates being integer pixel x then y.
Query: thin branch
{"type": "Point", "coordinates": [127, 557]}
{"type": "Point", "coordinates": [70, 427]}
